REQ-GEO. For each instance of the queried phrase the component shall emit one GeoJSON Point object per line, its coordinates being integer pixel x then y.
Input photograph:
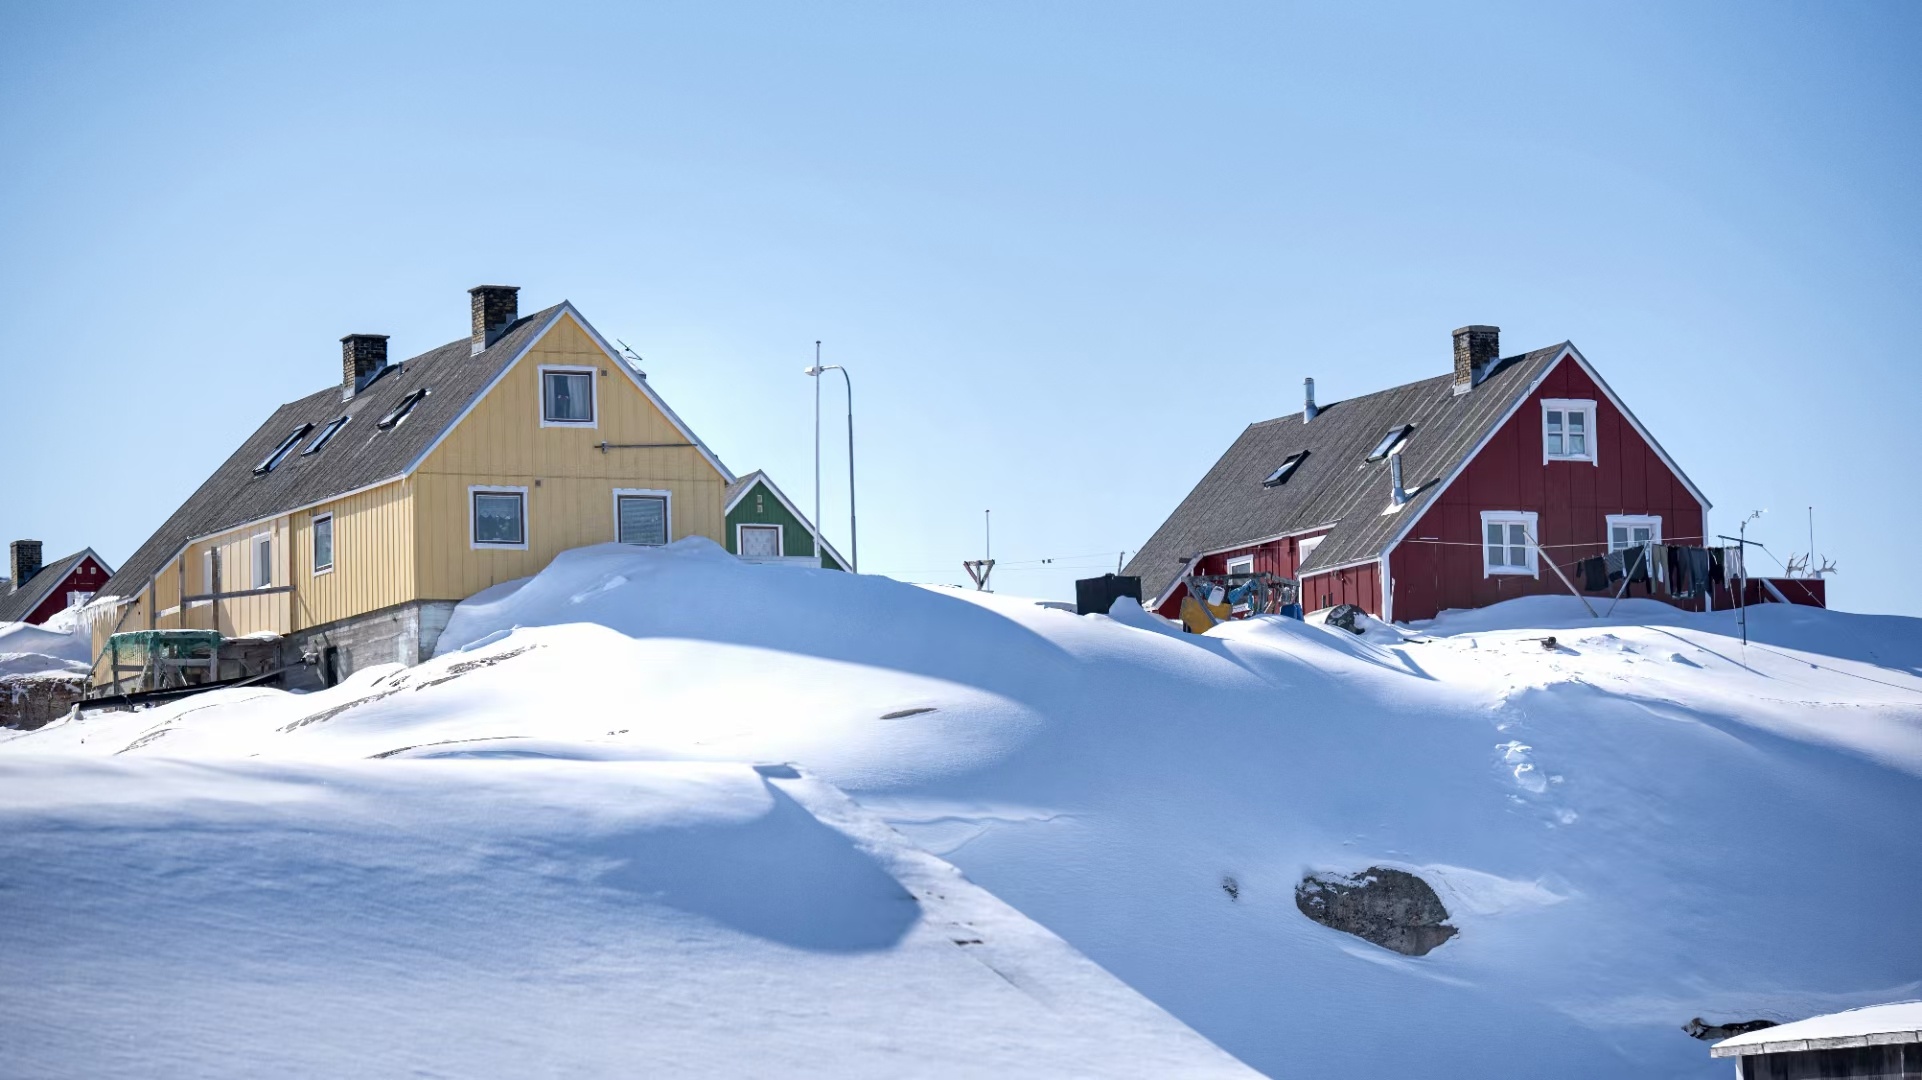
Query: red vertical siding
{"type": "Point", "coordinates": [86, 577]}
{"type": "Point", "coordinates": [1281, 556]}
{"type": "Point", "coordinates": [1439, 564]}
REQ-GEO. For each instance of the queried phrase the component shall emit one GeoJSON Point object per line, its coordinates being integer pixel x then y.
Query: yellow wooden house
{"type": "Point", "coordinates": [354, 519]}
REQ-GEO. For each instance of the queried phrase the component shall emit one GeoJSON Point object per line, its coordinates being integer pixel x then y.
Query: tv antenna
{"type": "Point", "coordinates": [979, 569]}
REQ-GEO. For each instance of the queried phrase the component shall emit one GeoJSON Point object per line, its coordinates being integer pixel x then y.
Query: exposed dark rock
{"type": "Point", "coordinates": [1391, 908]}
{"type": "Point", "coordinates": [1707, 1032]}
{"type": "Point", "coordinates": [1348, 616]}
{"type": "Point", "coordinates": [34, 701]}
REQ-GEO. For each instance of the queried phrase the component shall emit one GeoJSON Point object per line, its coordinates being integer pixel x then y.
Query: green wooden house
{"type": "Point", "coordinates": [764, 526]}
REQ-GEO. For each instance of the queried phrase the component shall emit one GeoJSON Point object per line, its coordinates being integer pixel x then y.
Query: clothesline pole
{"type": "Point", "coordinates": [1564, 577]}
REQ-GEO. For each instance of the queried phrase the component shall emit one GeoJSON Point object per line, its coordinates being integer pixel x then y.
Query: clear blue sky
{"type": "Point", "coordinates": [1067, 250]}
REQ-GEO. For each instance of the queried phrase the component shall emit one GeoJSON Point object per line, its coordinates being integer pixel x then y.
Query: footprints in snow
{"type": "Point", "coordinates": [1518, 761]}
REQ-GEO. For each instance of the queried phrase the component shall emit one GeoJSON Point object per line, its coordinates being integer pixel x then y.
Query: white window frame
{"type": "Point", "coordinates": [527, 515]}
{"type": "Point", "coordinates": [1566, 406]}
{"type": "Point", "coordinates": [593, 395]}
{"type": "Point", "coordinates": [740, 535]}
{"type": "Point", "coordinates": [1305, 547]}
{"type": "Point", "coordinates": [1528, 519]}
{"type": "Point", "coordinates": [1652, 522]}
{"type": "Point", "coordinates": [254, 546]}
{"type": "Point", "coordinates": [333, 548]}
{"type": "Point", "coordinates": [667, 513]}
{"type": "Point", "coordinates": [1240, 560]}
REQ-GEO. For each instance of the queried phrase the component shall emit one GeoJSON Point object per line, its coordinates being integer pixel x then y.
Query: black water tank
{"type": "Point", "coordinates": [1095, 595]}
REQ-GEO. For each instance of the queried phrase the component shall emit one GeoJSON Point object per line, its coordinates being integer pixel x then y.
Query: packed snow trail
{"type": "Point", "coordinates": [1643, 825]}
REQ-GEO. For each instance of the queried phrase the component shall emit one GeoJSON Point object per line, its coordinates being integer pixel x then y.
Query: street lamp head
{"type": "Point", "coordinates": [815, 370]}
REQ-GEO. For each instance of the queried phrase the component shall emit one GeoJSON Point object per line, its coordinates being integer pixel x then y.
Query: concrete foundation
{"type": "Point", "coordinates": [324, 655]}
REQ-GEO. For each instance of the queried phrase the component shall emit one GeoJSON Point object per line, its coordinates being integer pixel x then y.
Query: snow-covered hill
{"type": "Point", "coordinates": [1647, 823]}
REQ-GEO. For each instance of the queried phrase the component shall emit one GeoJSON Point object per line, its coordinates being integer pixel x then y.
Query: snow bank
{"type": "Point", "coordinates": [26, 649]}
{"type": "Point", "coordinates": [1645, 824]}
{"type": "Point", "coordinates": [523, 918]}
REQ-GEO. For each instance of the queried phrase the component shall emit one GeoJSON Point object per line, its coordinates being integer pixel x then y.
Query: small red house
{"type": "Point", "coordinates": [1449, 492]}
{"type": "Point", "coordinates": [37, 592]}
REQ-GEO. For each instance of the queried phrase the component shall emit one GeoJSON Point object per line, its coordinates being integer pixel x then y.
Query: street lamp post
{"type": "Point", "coordinates": [854, 537]}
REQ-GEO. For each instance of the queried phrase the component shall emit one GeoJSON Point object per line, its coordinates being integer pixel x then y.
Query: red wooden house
{"type": "Point", "coordinates": [37, 592]}
{"type": "Point", "coordinates": [1449, 492]}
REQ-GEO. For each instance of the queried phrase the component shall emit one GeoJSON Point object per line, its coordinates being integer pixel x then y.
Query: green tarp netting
{"type": "Point", "coordinates": [134, 649]}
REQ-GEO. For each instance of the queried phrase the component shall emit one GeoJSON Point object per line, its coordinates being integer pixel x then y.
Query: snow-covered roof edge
{"type": "Point", "coordinates": [1872, 1025]}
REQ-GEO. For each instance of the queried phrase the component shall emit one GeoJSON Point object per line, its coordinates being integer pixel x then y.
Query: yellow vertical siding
{"type": "Point", "coordinates": [570, 482]}
{"type": "Point", "coordinates": [373, 556]}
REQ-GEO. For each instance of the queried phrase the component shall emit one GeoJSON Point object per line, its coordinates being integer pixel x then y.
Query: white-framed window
{"type": "Point", "coordinates": [1633, 530]}
{"type": "Point", "coordinates": [263, 546]}
{"type": "Point", "coordinates": [1568, 430]}
{"type": "Point", "coordinates": [1241, 564]}
{"type": "Point", "coordinates": [323, 528]}
{"type": "Point", "coordinates": [567, 396]}
{"type": "Point", "coordinates": [76, 597]}
{"type": "Point", "coordinates": [1508, 545]}
{"type": "Point", "coordinates": [497, 517]}
{"type": "Point", "coordinates": [1307, 547]}
{"type": "Point", "coordinates": [209, 575]}
{"type": "Point", "coordinates": [758, 541]}
{"type": "Point", "coordinates": [643, 516]}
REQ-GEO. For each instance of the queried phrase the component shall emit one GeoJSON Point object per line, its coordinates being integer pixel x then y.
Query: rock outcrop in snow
{"type": "Point", "coordinates": [1391, 908]}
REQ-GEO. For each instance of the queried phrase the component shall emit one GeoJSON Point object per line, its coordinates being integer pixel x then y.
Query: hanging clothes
{"type": "Point", "coordinates": [1698, 571]}
{"type": "Point", "coordinates": [1658, 567]}
{"type": "Point", "coordinates": [1594, 573]}
{"type": "Point", "coordinates": [1679, 583]}
{"type": "Point", "coordinates": [1637, 563]}
{"type": "Point", "coordinates": [1717, 568]}
{"type": "Point", "coordinates": [1736, 563]}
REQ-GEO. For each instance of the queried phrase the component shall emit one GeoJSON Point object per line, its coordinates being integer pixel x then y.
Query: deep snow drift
{"type": "Point", "coordinates": [522, 918]}
{"type": "Point", "coordinates": [1646, 824]}
{"type": "Point", "coordinates": [26, 649]}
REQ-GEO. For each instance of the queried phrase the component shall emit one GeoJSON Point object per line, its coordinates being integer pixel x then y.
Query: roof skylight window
{"type": "Point", "coordinates": [1391, 442]}
{"type": "Point", "coordinates": [1284, 470]}
{"type": "Point", "coordinates": [401, 410]}
{"type": "Point", "coordinates": [280, 452]}
{"type": "Point", "coordinates": [333, 428]}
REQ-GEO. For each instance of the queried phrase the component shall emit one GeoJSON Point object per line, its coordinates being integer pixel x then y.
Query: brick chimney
{"type": "Point", "coordinates": [26, 560]}
{"type": "Point", "coordinates": [361, 357]}
{"type": "Point", "coordinates": [1476, 349]}
{"type": "Point", "coordinates": [495, 307]}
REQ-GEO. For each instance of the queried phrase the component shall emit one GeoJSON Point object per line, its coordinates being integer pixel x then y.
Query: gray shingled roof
{"type": "Point", "coordinates": [17, 604]}
{"type": "Point", "coordinates": [1335, 485]}
{"type": "Point", "coordinates": [359, 455]}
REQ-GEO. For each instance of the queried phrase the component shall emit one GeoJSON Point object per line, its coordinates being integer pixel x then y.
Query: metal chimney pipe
{"type": "Point", "coordinates": [1309, 409]}
{"type": "Point", "coordinates": [1399, 496]}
